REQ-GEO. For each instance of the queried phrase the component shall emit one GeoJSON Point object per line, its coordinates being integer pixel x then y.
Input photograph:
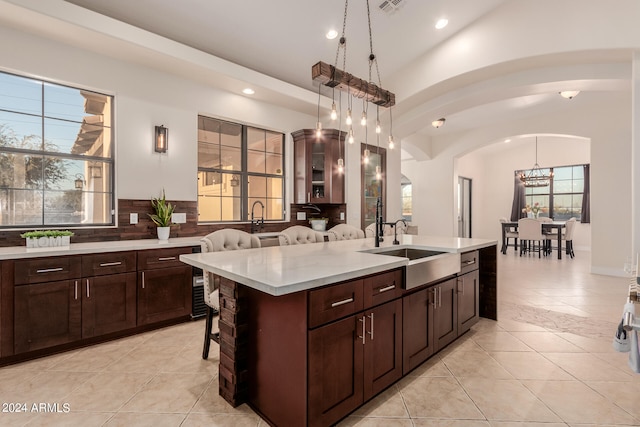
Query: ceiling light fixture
{"type": "Point", "coordinates": [331, 34]}
{"type": "Point", "coordinates": [335, 78]}
{"type": "Point", "coordinates": [569, 94]}
{"type": "Point", "coordinates": [438, 123]}
{"type": "Point", "coordinates": [536, 177]}
{"type": "Point", "coordinates": [248, 91]}
{"type": "Point", "coordinates": [442, 22]}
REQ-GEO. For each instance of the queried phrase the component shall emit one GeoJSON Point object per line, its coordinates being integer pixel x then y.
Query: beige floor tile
{"type": "Point", "coordinates": [624, 395]}
{"type": "Point", "coordinates": [388, 404]}
{"type": "Point", "coordinates": [424, 422]}
{"type": "Point", "coordinates": [500, 341]}
{"type": "Point", "coordinates": [90, 359]}
{"type": "Point", "coordinates": [438, 398]}
{"type": "Point", "coordinates": [354, 421]}
{"type": "Point", "coordinates": [433, 367]}
{"type": "Point", "coordinates": [474, 364]}
{"type": "Point", "coordinates": [222, 420]}
{"type": "Point", "coordinates": [524, 424]}
{"type": "Point", "coordinates": [211, 402]}
{"type": "Point", "coordinates": [530, 365]}
{"type": "Point", "coordinates": [506, 400]}
{"type": "Point", "coordinates": [70, 419]}
{"type": "Point", "coordinates": [512, 325]}
{"type": "Point", "coordinates": [575, 402]}
{"type": "Point", "coordinates": [107, 392]}
{"type": "Point", "coordinates": [47, 387]}
{"type": "Point", "coordinates": [168, 393]}
{"type": "Point", "coordinates": [587, 367]}
{"type": "Point", "coordinates": [546, 342]}
{"type": "Point", "coordinates": [132, 419]}
{"type": "Point", "coordinates": [16, 419]}
{"type": "Point", "coordinates": [144, 359]}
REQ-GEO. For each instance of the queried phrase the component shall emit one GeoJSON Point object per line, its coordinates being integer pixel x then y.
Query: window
{"type": "Point", "coordinates": [562, 199]}
{"type": "Point", "coordinates": [239, 168]}
{"type": "Point", "coordinates": [407, 204]}
{"type": "Point", "coordinates": [56, 155]}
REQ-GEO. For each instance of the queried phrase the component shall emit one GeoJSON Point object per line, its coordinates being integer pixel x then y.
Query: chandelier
{"type": "Point", "coordinates": [367, 90]}
{"type": "Point", "coordinates": [535, 177]}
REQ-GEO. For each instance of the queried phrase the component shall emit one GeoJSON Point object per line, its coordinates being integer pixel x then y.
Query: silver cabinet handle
{"type": "Point", "coordinates": [88, 294]}
{"type": "Point", "coordinates": [75, 290]}
{"type": "Point", "coordinates": [110, 264]}
{"type": "Point", "coordinates": [363, 329]}
{"type": "Point", "coordinates": [308, 197]}
{"type": "Point", "coordinates": [371, 333]}
{"type": "Point", "coordinates": [49, 270]}
{"type": "Point", "coordinates": [387, 288]}
{"type": "Point", "coordinates": [440, 296]}
{"type": "Point", "coordinates": [460, 285]}
{"type": "Point", "coordinates": [339, 303]}
{"type": "Point", "coordinates": [470, 262]}
{"type": "Point", "coordinates": [435, 297]}
{"type": "Point", "coordinates": [143, 280]}
{"type": "Point", "coordinates": [167, 258]}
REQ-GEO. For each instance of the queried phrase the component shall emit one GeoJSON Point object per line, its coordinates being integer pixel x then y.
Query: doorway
{"type": "Point", "coordinates": [464, 207]}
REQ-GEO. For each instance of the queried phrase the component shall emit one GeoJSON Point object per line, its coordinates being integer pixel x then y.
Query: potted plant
{"type": "Point", "coordinates": [319, 224]}
{"type": "Point", "coordinates": [47, 238]}
{"type": "Point", "coordinates": [161, 217]}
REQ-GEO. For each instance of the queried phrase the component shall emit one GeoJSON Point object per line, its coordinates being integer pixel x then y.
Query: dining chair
{"type": "Point", "coordinates": [221, 240]}
{"type": "Point", "coordinates": [345, 232]}
{"type": "Point", "coordinates": [510, 233]}
{"type": "Point", "coordinates": [567, 236]}
{"type": "Point", "coordinates": [530, 231]}
{"type": "Point", "coordinates": [299, 235]}
{"type": "Point", "coordinates": [548, 234]}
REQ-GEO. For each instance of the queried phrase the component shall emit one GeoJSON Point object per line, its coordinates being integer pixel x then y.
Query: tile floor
{"type": "Point", "coordinates": [547, 362]}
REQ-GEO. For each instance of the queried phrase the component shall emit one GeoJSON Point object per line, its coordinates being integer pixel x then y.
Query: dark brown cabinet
{"type": "Point", "coordinates": [317, 178]}
{"type": "Point", "coordinates": [468, 289]}
{"type": "Point", "coordinates": [353, 359]}
{"type": "Point", "coordinates": [417, 332]}
{"type": "Point", "coordinates": [445, 313]}
{"type": "Point", "coordinates": [108, 304]}
{"type": "Point", "coordinates": [164, 285]}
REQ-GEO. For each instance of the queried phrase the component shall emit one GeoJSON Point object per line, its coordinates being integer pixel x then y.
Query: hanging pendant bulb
{"type": "Point", "coordinates": [334, 112]}
{"type": "Point", "coordinates": [378, 173]}
{"type": "Point", "coordinates": [378, 128]}
{"type": "Point", "coordinates": [340, 165]}
{"type": "Point", "coordinates": [351, 139]}
{"type": "Point", "coordinates": [392, 143]}
{"type": "Point", "coordinates": [318, 130]}
{"type": "Point", "coordinates": [367, 153]}
{"type": "Point", "coordinates": [349, 119]}
{"type": "Point", "coordinates": [363, 120]}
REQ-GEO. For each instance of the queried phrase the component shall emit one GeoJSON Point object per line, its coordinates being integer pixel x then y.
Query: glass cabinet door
{"type": "Point", "coordinates": [318, 173]}
{"type": "Point", "coordinates": [373, 184]}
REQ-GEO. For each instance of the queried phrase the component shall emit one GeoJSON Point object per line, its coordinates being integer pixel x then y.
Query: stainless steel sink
{"type": "Point", "coordinates": [425, 266]}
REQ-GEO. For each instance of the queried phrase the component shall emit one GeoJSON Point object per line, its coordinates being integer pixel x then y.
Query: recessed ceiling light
{"type": "Point", "coordinates": [248, 91]}
{"type": "Point", "coordinates": [569, 94]}
{"type": "Point", "coordinates": [442, 22]}
{"type": "Point", "coordinates": [507, 140]}
{"type": "Point", "coordinates": [332, 34]}
{"type": "Point", "coordinates": [437, 123]}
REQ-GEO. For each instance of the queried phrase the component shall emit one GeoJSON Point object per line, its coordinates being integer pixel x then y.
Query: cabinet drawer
{"type": "Point", "coordinates": [469, 261]}
{"type": "Point", "coordinates": [108, 263]}
{"type": "Point", "coordinates": [333, 302]}
{"type": "Point", "coordinates": [161, 258]}
{"type": "Point", "coordinates": [382, 288]}
{"type": "Point", "coordinates": [46, 269]}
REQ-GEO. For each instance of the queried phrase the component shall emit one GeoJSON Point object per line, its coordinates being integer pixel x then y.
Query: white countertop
{"type": "Point", "coordinates": [281, 270]}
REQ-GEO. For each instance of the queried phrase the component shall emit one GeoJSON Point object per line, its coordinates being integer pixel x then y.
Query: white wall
{"type": "Point", "coordinates": [145, 98]}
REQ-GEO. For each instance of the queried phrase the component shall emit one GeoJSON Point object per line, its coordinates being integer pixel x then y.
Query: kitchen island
{"type": "Point", "coordinates": [308, 333]}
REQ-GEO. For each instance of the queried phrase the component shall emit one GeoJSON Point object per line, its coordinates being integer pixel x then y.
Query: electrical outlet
{"type": "Point", "coordinates": [179, 218]}
{"type": "Point", "coordinates": [301, 216]}
{"type": "Point", "coordinates": [133, 218]}
{"type": "Point", "coordinates": [341, 216]}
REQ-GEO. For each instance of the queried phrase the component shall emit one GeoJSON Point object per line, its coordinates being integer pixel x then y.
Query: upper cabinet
{"type": "Point", "coordinates": [317, 178]}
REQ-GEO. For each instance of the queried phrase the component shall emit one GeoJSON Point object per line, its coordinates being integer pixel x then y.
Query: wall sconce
{"type": "Point", "coordinates": [235, 181]}
{"type": "Point", "coordinates": [161, 140]}
{"type": "Point", "coordinates": [79, 182]}
{"type": "Point", "coordinates": [437, 123]}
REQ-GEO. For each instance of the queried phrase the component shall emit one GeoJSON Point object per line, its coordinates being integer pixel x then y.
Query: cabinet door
{"type": "Point", "coordinates": [417, 329]}
{"type": "Point", "coordinates": [47, 314]}
{"type": "Point", "coordinates": [335, 370]}
{"type": "Point", "coordinates": [383, 349]}
{"type": "Point", "coordinates": [108, 304]}
{"type": "Point", "coordinates": [468, 301]}
{"type": "Point", "coordinates": [164, 294]}
{"type": "Point", "coordinates": [445, 314]}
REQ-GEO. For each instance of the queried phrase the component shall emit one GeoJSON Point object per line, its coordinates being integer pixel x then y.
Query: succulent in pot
{"type": "Point", "coordinates": [161, 217]}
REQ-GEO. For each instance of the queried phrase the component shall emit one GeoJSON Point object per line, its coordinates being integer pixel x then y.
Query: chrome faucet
{"type": "Point", "coordinates": [256, 225]}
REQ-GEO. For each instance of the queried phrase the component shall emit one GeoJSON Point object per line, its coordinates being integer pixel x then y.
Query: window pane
{"type": "Point", "coordinates": [230, 208]}
{"type": "Point", "coordinates": [274, 143]}
{"type": "Point", "coordinates": [273, 209]}
{"type": "Point", "coordinates": [231, 158]}
{"type": "Point", "coordinates": [20, 207]}
{"type": "Point", "coordinates": [274, 187]}
{"type": "Point", "coordinates": [257, 186]}
{"type": "Point", "coordinates": [256, 139]}
{"type": "Point", "coordinates": [20, 171]}
{"type": "Point", "coordinates": [208, 155]}
{"type": "Point", "coordinates": [562, 173]}
{"type": "Point", "coordinates": [563, 186]}
{"type": "Point", "coordinates": [64, 103]}
{"type": "Point", "coordinates": [256, 161]}
{"type": "Point", "coordinates": [20, 131]}
{"type": "Point", "coordinates": [20, 94]}
{"type": "Point", "coordinates": [209, 208]}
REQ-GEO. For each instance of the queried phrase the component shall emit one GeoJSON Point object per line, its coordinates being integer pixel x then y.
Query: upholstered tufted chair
{"type": "Point", "coordinates": [370, 230]}
{"type": "Point", "coordinates": [299, 235]}
{"type": "Point", "coordinates": [345, 232]}
{"type": "Point", "coordinates": [221, 240]}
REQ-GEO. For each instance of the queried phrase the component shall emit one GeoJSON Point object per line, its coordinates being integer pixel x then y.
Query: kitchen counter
{"type": "Point", "coordinates": [286, 269]}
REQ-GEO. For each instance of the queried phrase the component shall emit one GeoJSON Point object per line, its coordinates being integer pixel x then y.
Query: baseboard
{"type": "Point", "coordinates": [608, 271]}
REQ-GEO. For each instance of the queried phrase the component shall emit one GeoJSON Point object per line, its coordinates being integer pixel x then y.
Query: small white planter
{"type": "Point", "coordinates": [59, 242]}
{"type": "Point", "coordinates": [163, 233]}
{"type": "Point", "coordinates": [318, 224]}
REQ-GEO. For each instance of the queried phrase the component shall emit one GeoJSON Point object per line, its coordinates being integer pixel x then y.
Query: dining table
{"type": "Point", "coordinates": [547, 226]}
